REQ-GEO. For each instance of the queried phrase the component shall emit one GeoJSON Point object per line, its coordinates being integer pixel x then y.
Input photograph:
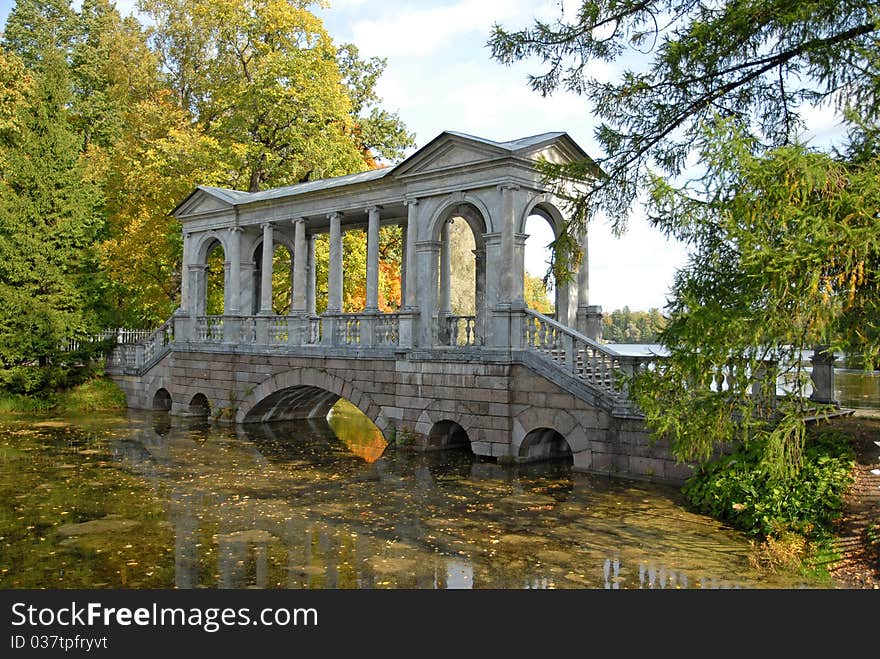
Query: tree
{"type": "Point", "coordinates": [758, 61]}
{"type": "Point", "coordinates": [262, 78]}
{"type": "Point", "coordinates": [50, 285]}
{"type": "Point", "coordinates": [707, 124]}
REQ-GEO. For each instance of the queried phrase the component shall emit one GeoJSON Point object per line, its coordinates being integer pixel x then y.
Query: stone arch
{"type": "Point", "coordinates": [469, 208]}
{"type": "Point", "coordinates": [541, 205]}
{"type": "Point", "coordinates": [162, 400]}
{"type": "Point", "coordinates": [462, 329]}
{"type": "Point", "coordinates": [199, 405]}
{"type": "Point", "coordinates": [533, 421]}
{"type": "Point", "coordinates": [447, 434]}
{"type": "Point", "coordinates": [565, 295]}
{"type": "Point", "coordinates": [304, 393]}
{"type": "Point", "coordinates": [206, 243]}
{"type": "Point", "coordinates": [543, 444]}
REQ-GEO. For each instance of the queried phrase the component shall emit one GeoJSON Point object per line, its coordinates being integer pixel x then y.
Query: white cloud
{"type": "Point", "coordinates": [427, 30]}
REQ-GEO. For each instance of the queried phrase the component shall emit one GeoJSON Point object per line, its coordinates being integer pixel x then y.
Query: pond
{"type": "Point", "coordinates": [146, 500]}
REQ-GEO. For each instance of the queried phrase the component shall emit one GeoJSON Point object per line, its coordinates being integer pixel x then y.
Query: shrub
{"type": "Point", "coordinates": [735, 489]}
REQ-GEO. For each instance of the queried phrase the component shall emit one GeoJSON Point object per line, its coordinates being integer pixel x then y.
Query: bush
{"type": "Point", "coordinates": [735, 489]}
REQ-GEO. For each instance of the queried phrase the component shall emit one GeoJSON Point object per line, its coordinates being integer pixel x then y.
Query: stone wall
{"type": "Point", "coordinates": [497, 404]}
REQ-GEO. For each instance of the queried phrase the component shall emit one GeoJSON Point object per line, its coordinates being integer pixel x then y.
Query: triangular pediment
{"type": "Point", "coordinates": [449, 152]}
{"type": "Point", "coordinates": [204, 200]}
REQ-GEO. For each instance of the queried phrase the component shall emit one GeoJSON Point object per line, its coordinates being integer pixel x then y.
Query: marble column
{"type": "Point", "coordinates": [234, 282]}
{"type": "Point", "coordinates": [412, 207]}
{"type": "Point", "coordinates": [266, 272]}
{"type": "Point", "coordinates": [511, 294]}
{"type": "Point", "coordinates": [428, 253]}
{"type": "Point", "coordinates": [185, 288]}
{"type": "Point", "coordinates": [403, 252]}
{"type": "Point", "coordinates": [445, 272]}
{"type": "Point", "coordinates": [334, 270]}
{"type": "Point", "coordinates": [300, 267]}
{"type": "Point", "coordinates": [373, 260]}
{"type": "Point", "coordinates": [311, 293]}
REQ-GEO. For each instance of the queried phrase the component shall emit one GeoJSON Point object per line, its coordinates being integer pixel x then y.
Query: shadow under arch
{"type": "Point", "coordinates": [199, 405]}
{"type": "Point", "coordinates": [304, 393]}
{"type": "Point", "coordinates": [544, 444]}
{"type": "Point", "coordinates": [448, 434]}
{"type": "Point", "coordinates": [162, 400]}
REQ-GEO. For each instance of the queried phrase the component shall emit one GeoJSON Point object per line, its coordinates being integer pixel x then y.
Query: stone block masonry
{"type": "Point", "coordinates": [501, 407]}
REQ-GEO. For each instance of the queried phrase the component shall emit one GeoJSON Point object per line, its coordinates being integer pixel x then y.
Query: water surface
{"type": "Point", "coordinates": [145, 500]}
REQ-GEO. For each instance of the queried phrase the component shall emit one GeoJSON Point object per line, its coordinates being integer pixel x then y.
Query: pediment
{"type": "Point", "coordinates": [448, 152]}
{"type": "Point", "coordinates": [204, 200]}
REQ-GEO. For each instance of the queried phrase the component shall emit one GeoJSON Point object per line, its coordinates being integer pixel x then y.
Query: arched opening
{"type": "Point", "coordinates": [461, 297]}
{"type": "Point", "coordinates": [448, 434]}
{"type": "Point", "coordinates": [215, 280]}
{"type": "Point", "coordinates": [544, 444]}
{"type": "Point", "coordinates": [356, 431]}
{"type": "Point", "coordinates": [199, 406]}
{"type": "Point", "coordinates": [162, 400]}
{"type": "Point", "coordinates": [536, 262]}
{"type": "Point", "coordinates": [282, 279]}
{"type": "Point", "coordinates": [311, 403]}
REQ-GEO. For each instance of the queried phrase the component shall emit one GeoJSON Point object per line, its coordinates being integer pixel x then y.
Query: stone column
{"type": "Point", "coordinates": [589, 316]}
{"type": "Point", "coordinates": [445, 271]}
{"type": "Point", "coordinates": [426, 286]}
{"type": "Point", "coordinates": [412, 206]}
{"type": "Point", "coordinates": [372, 305]}
{"type": "Point", "coordinates": [310, 279]}
{"type": "Point", "coordinates": [480, 293]}
{"type": "Point", "coordinates": [403, 252]}
{"type": "Point", "coordinates": [199, 283]}
{"type": "Point", "coordinates": [185, 303]}
{"type": "Point", "coordinates": [266, 272]}
{"type": "Point", "coordinates": [511, 293]}
{"type": "Point", "coordinates": [822, 375]}
{"type": "Point", "coordinates": [334, 270]}
{"type": "Point", "coordinates": [300, 267]}
{"type": "Point", "coordinates": [234, 281]}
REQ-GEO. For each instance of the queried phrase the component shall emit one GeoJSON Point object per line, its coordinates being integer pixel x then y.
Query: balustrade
{"type": "Point", "coordinates": [462, 331]}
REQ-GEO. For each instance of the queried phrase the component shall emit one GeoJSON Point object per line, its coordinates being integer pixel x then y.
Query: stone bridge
{"type": "Point", "coordinates": [513, 384]}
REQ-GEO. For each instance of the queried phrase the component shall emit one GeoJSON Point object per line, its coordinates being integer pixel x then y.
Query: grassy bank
{"type": "Point", "coordinates": [96, 395]}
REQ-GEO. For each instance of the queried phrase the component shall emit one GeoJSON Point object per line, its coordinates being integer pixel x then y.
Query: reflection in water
{"type": "Point", "coordinates": [151, 501]}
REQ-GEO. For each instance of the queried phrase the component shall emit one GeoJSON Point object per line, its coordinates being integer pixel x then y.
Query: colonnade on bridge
{"type": "Point", "coordinates": [494, 187]}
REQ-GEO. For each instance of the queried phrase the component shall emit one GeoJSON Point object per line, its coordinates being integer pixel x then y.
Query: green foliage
{"type": "Point", "coordinates": [756, 60]}
{"type": "Point", "coordinates": [625, 326]}
{"type": "Point", "coordinates": [738, 490]}
{"type": "Point", "coordinates": [50, 282]}
{"type": "Point", "coordinates": [783, 238]}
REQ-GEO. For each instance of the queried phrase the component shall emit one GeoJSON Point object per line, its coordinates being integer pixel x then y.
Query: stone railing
{"type": "Point", "coordinates": [209, 328]}
{"type": "Point", "coordinates": [159, 342]}
{"type": "Point", "coordinates": [365, 330]}
{"type": "Point", "coordinates": [362, 330]}
{"type": "Point", "coordinates": [462, 331]}
{"type": "Point", "coordinates": [582, 357]}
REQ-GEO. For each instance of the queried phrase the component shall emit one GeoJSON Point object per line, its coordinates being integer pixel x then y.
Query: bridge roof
{"type": "Point", "coordinates": [522, 147]}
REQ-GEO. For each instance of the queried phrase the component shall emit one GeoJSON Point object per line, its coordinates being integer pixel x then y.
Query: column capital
{"type": "Point", "coordinates": [297, 220]}
{"type": "Point", "coordinates": [335, 215]}
{"type": "Point", "coordinates": [508, 186]}
{"type": "Point", "coordinates": [235, 229]}
{"type": "Point", "coordinates": [267, 223]}
{"type": "Point", "coordinates": [375, 208]}
{"type": "Point", "coordinates": [414, 201]}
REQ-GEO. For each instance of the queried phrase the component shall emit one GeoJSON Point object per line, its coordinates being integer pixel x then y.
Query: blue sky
{"type": "Point", "coordinates": [440, 76]}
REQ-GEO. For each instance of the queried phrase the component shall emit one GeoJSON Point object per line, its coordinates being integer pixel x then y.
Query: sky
{"type": "Point", "coordinates": [440, 76]}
